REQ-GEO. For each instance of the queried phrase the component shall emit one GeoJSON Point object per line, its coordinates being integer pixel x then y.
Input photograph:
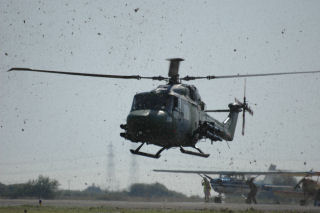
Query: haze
{"type": "Point", "coordinates": [67, 127]}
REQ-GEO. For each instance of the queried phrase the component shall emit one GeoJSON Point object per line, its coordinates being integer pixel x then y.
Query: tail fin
{"type": "Point", "coordinates": [269, 179]}
{"type": "Point", "coordinates": [231, 121]}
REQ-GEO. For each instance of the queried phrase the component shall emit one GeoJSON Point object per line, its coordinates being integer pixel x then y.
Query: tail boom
{"type": "Point", "coordinates": [217, 131]}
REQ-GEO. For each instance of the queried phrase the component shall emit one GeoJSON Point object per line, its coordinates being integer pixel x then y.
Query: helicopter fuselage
{"type": "Point", "coordinates": [174, 116]}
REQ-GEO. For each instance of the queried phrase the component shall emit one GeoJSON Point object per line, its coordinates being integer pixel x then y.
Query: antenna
{"type": "Point", "coordinates": [110, 168]}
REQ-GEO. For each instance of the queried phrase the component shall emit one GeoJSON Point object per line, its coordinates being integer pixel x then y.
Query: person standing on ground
{"type": "Point", "coordinates": [253, 191]}
{"type": "Point", "coordinates": [206, 189]}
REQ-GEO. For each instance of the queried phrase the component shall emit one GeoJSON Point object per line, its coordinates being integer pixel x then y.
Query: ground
{"type": "Point", "coordinates": [83, 206]}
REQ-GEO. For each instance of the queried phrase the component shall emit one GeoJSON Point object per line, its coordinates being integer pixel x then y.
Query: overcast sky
{"type": "Point", "coordinates": [67, 127]}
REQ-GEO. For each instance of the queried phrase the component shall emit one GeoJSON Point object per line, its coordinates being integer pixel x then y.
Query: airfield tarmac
{"type": "Point", "coordinates": [161, 205]}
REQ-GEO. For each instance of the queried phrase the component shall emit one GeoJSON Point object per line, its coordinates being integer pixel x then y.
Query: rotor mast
{"type": "Point", "coordinates": [174, 70]}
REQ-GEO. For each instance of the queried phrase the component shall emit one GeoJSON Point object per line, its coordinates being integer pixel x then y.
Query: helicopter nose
{"type": "Point", "coordinates": [148, 123]}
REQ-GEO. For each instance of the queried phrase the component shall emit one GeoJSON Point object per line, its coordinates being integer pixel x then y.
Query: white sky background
{"type": "Point", "coordinates": [67, 127]}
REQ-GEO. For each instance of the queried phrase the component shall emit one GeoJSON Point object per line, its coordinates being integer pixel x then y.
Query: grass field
{"type": "Point", "coordinates": [37, 209]}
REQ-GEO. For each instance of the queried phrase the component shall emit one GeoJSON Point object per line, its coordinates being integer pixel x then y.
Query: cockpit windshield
{"type": "Point", "coordinates": [152, 101]}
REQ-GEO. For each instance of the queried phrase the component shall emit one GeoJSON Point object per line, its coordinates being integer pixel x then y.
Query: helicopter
{"type": "Point", "coordinates": [173, 114]}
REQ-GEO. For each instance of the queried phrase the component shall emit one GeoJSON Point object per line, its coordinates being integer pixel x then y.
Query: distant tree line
{"type": "Point", "coordinates": [46, 188]}
{"type": "Point", "coordinates": [43, 187]}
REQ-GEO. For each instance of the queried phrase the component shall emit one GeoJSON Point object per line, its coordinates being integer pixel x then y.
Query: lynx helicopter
{"type": "Point", "coordinates": [173, 115]}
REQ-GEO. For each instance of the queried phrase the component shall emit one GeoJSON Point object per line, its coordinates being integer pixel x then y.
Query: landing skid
{"type": "Point", "coordinates": [137, 152]}
{"type": "Point", "coordinates": [199, 153]}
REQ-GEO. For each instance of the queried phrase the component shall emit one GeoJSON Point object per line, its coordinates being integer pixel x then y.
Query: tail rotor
{"type": "Point", "coordinates": [245, 107]}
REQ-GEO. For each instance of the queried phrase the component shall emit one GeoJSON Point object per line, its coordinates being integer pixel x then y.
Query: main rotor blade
{"type": "Point", "coordinates": [138, 77]}
{"type": "Point", "coordinates": [209, 77]}
{"type": "Point", "coordinates": [262, 74]}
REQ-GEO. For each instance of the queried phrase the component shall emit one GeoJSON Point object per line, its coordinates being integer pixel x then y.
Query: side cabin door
{"type": "Point", "coordinates": [178, 118]}
{"type": "Point", "coordinates": [183, 120]}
